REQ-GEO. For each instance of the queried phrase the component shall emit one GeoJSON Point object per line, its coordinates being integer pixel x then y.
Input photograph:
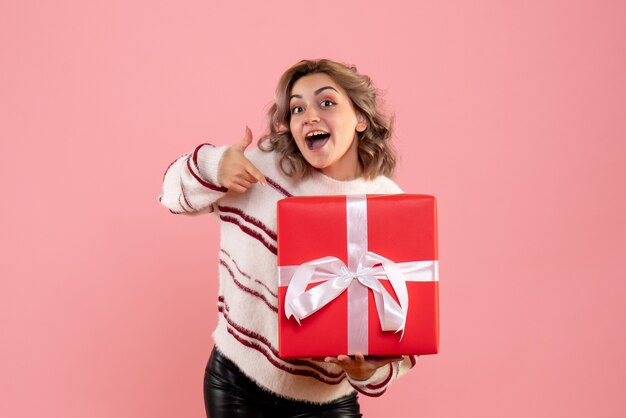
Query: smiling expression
{"type": "Point", "coordinates": [324, 125]}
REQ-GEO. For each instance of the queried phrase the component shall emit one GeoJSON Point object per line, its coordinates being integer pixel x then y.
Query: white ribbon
{"type": "Point", "coordinates": [301, 303]}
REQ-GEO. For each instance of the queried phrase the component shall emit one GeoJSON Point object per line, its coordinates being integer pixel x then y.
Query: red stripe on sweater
{"type": "Point", "coordinates": [247, 289]}
{"type": "Point", "coordinates": [384, 382]}
{"type": "Point", "coordinates": [371, 395]}
{"type": "Point", "coordinates": [251, 232]}
{"type": "Point", "coordinates": [413, 360]}
{"type": "Point", "coordinates": [275, 363]}
{"type": "Point", "coordinates": [182, 190]}
{"type": "Point", "coordinates": [181, 204]}
{"type": "Point", "coordinates": [195, 152]}
{"type": "Point", "coordinates": [249, 219]}
{"type": "Point", "coordinates": [247, 275]}
{"type": "Point", "coordinates": [278, 187]}
{"type": "Point", "coordinates": [202, 181]}
{"type": "Point", "coordinates": [295, 362]}
{"type": "Point", "coordinates": [299, 372]}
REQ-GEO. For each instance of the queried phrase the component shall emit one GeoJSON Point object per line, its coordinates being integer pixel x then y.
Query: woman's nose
{"type": "Point", "coordinates": [311, 116]}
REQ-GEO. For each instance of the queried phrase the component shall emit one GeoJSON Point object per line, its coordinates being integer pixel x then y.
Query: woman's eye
{"type": "Point", "coordinates": [327, 103]}
{"type": "Point", "coordinates": [296, 109]}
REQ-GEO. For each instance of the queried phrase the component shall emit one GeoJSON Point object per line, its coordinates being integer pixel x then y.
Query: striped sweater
{"type": "Point", "coordinates": [247, 330]}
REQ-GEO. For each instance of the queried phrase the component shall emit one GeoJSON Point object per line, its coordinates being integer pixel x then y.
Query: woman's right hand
{"type": "Point", "coordinates": [235, 171]}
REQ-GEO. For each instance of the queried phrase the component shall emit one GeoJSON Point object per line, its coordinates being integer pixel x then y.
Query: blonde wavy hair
{"type": "Point", "coordinates": [375, 152]}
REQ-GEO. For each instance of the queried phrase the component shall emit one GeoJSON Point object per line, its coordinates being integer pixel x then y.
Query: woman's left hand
{"type": "Point", "coordinates": [360, 367]}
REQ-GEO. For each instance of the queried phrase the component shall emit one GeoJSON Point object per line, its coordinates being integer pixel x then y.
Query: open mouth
{"type": "Point", "coordinates": [316, 139]}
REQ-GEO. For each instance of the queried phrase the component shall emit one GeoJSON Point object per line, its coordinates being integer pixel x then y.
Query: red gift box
{"type": "Point", "coordinates": [357, 274]}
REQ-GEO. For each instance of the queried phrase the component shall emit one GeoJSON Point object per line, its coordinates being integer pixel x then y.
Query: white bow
{"type": "Point", "coordinates": [301, 303]}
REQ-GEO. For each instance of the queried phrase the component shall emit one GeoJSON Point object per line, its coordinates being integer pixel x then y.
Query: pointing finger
{"type": "Point", "coordinates": [243, 182]}
{"type": "Point", "coordinates": [237, 188]}
{"type": "Point", "coordinates": [254, 172]}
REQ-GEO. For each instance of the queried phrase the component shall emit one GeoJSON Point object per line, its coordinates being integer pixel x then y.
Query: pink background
{"type": "Point", "coordinates": [512, 112]}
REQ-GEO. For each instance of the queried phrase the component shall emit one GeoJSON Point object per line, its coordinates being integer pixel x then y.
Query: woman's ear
{"type": "Point", "coordinates": [361, 125]}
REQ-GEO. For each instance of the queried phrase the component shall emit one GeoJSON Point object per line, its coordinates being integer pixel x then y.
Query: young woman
{"type": "Point", "coordinates": [326, 136]}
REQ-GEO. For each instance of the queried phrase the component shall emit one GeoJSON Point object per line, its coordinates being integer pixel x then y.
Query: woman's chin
{"type": "Point", "coordinates": [316, 161]}
{"type": "Point", "coordinates": [318, 166]}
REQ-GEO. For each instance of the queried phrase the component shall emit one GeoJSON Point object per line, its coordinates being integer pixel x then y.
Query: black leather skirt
{"type": "Point", "coordinates": [228, 393]}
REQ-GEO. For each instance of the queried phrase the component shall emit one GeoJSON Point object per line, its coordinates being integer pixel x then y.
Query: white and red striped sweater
{"type": "Point", "coordinates": [247, 330]}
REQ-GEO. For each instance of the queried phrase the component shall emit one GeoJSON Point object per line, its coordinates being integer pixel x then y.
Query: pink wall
{"type": "Point", "coordinates": [512, 113]}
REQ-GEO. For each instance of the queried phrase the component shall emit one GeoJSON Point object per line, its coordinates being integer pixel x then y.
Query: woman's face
{"type": "Point", "coordinates": [324, 125]}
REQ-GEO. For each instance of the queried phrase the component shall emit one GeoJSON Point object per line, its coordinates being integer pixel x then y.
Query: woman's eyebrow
{"type": "Point", "coordinates": [321, 89]}
{"type": "Point", "coordinates": [316, 92]}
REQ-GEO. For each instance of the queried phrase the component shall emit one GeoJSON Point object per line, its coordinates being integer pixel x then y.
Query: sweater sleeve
{"type": "Point", "coordinates": [190, 183]}
{"type": "Point", "coordinates": [378, 383]}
